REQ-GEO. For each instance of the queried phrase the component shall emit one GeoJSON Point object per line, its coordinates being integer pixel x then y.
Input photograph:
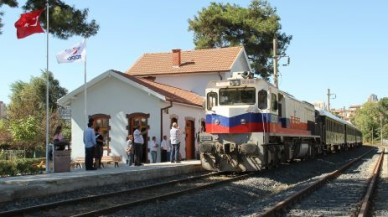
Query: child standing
{"type": "Point", "coordinates": [154, 149]}
{"type": "Point", "coordinates": [130, 150]}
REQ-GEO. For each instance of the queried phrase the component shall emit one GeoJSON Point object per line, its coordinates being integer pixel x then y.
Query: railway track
{"type": "Point", "coordinates": [343, 192]}
{"type": "Point", "coordinates": [99, 204]}
{"type": "Point", "coordinates": [379, 205]}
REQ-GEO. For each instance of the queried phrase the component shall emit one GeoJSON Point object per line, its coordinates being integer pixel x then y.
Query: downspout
{"type": "Point", "coordinates": [161, 119]}
{"type": "Point", "coordinates": [219, 75]}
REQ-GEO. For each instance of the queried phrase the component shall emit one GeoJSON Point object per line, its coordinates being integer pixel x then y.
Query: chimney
{"type": "Point", "coordinates": [176, 57]}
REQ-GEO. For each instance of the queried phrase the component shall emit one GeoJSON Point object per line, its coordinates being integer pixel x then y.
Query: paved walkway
{"type": "Point", "coordinates": [37, 185]}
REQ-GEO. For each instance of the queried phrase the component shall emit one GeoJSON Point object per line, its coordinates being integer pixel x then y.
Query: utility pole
{"type": "Point", "coordinates": [329, 97]}
{"type": "Point", "coordinates": [276, 59]}
{"type": "Point", "coordinates": [275, 63]}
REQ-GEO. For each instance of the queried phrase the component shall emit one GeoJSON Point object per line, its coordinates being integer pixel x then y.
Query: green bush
{"type": "Point", "coordinates": [21, 167]}
{"type": "Point", "coordinates": [7, 168]}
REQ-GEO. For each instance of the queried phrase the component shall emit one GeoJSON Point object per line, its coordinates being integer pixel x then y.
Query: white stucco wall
{"type": "Point", "coordinates": [197, 82]}
{"type": "Point", "coordinates": [181, 113]}
{"type": "Point", "coordinates": [191, 82]}
{"type": "Point", "coordinates": [117, 99]}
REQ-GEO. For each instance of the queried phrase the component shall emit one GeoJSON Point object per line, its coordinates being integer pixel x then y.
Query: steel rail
{"type": "Point", "coordinates": [371, 187]}
{"type": "Point", "coordinates": [26, 210]}
{"type": "Point", "coordinates": [280, 206]}
{"type": "Point", "coordinates": [119, 207]}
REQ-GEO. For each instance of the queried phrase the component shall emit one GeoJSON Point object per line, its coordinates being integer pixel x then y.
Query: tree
{"type": "Point", "coordinates": [27, 110]}
{"type": "Point", "coordinates": [65, 21]}
{"type": "Point", "coordinates": [367, 119]}
{"type": "Point", "coordinates": [5, 135]}
{"type": "Point", "coordinates": [364, 120]}
{"type": "Point", "coordinates": [255, 27]}
{"type": "Point", "coordinates": [383, 110]}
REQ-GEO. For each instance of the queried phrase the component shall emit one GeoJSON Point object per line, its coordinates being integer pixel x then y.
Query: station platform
{"type": "Point", "coordinates": [17, 187]}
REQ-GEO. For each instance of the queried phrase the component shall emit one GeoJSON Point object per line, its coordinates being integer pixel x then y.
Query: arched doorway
{"type": "Point", "coordinates": [102, 121]}
{"type": "Point", "coordinates": [141, 119]}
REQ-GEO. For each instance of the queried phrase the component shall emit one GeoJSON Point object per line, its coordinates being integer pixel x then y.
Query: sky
{"type": "Point", "coordinates": [337, 45]}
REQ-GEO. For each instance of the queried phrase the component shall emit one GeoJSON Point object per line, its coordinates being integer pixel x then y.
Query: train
{"type": "Point", "coordinates": [251, 125]}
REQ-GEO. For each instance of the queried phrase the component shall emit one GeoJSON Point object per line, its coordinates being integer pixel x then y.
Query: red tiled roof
{"type": "Point", "coordinates": [204, 60]}
{"type": "Point", "coordinates": [171, 93]}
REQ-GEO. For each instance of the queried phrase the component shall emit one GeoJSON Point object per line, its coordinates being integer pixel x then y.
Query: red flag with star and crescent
{"type": "Point", "coordinates": [28, 24]}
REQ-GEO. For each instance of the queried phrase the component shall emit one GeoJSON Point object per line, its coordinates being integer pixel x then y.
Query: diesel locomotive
{"type": "Point", "coordinates": [252, 125]}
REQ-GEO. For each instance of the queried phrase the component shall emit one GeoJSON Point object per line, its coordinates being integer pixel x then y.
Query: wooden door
{"type": "Point", "coordinates": [190, 140]}
{"type": "Point", "coordinates": [102, 121]}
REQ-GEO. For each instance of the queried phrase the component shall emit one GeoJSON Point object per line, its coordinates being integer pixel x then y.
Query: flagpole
{"type": "Point", "coordinates": [47, 90]}
{"type": "Point", "coordinates": [85, 91]}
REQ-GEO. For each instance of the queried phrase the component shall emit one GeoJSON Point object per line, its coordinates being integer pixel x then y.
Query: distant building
{"type": "Point", "coordinates": [347, 114]}
{"type": "Point", "coordinates": [2, 109]}
{"type": "Point", "coordinates": [373, 98]}
{"type": "Point", "coordinates": [320, 104]}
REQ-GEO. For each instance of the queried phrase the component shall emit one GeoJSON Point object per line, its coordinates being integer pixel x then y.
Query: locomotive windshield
{"type": "Point", "coordinates": [237, 96]}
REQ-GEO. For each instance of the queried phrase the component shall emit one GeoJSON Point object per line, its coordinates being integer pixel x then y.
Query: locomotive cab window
{"type": "Point", "coordinates": [212, 100]}
{"type": "Point", "coordinates": [262, 99]}
{"type": "Point", "coordinates": [274, 102]}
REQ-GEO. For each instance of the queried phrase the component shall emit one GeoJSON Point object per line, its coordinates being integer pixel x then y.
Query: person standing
{"type": "Point", "coordinates": [154, 149]}
{"type": "Point", "coordinates": [99, 150]}
{"type": "Point", "coordinates": [138, 141]}
{"type": "Point", "coordinates": [130, 149]}
{"type": "Point", "coordinates": [175, 142]}
{"type": "Point", "coordinates": [90, 143]}
{"type": "Point", "coordinates": [58, 140]}
{"type": "Point", "coordinates": [165, 153]}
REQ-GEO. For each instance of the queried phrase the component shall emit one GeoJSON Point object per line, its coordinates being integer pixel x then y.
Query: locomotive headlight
{"type": "Point", "coordinates": [216, 121]}
{"type": "Point", "coordinates": [242, 121]}
{"type": "Point", "coordinates": [234, 83]}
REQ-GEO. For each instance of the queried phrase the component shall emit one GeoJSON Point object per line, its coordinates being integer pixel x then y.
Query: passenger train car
{"type": "Point", "coordinates": [251, 125]}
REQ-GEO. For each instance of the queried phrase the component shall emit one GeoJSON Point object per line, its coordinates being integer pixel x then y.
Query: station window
{"type": "Point", "coordinates": [262, 99]}
{"type": "Point", "coordinates": [212, 100]}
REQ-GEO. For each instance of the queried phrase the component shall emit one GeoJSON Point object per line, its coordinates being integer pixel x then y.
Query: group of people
{"type": "Point", "coordinates": [134, 148]}
{"type": "Point", "coordinates": [93, 140]}
{"type": "Point", "coordinates": [135, 144]}
{"type": "Point", "coordinates": [94, 146]}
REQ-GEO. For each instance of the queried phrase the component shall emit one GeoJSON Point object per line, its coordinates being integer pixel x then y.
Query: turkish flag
{"type": "Point", "coordinates": [28, 24]}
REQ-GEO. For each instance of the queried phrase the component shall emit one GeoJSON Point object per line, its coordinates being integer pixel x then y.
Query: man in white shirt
{"type": "Point", "coordinates": [138, 141]}
{"type": "Point", "coordinates": [175, 142]}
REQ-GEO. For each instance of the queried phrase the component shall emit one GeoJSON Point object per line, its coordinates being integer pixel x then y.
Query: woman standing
{"type": "Point", "coordinates": [99, 147]}
{"type": "Point", "coordinates": [58, 140]}
{"type": "Point", "coordinates": [165, 149]}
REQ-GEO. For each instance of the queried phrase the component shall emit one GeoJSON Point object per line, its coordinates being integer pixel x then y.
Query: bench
{"type": "Point", "coordinates": [79, 161]}
{"type": "Point", "coordinates": [111, 159]}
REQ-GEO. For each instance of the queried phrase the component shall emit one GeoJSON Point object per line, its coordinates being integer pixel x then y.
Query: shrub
{"type": "Point", "coordinates": [26, 166]}
{"type": "Point", "coordinates": [7, 168]}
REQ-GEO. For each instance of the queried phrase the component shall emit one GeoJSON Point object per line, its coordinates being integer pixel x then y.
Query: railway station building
{"type": "Point", "coordinates": [157, 90]}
